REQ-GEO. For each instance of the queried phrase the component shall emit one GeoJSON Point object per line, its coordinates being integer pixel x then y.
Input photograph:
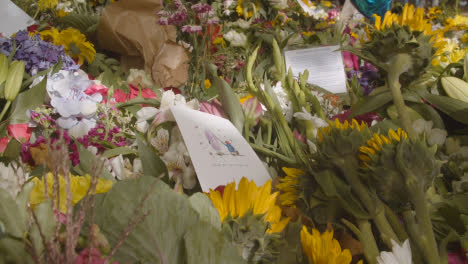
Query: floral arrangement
{"type": "Point", "coordinates": [94, 167]}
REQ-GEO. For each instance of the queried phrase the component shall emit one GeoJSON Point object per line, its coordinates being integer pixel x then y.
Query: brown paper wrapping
{"type": "Point", "coordinates": [130, 28]}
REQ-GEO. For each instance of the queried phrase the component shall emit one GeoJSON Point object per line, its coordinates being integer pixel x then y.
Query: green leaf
{"type": "Point", "coordinates": [372, 103]}
{"type": "Point", "coordinates": [87, 161]}
{"type": "Point", "coordinates": [229, 99]}
{"type": "Point", "coordinates": [117, 151]}
{"type": "Point", "coordinates": [29, 99]}
{"type": "Point", "coordinates": [429, 113]}
{"type": "Point", "coordinates": [452, 107]}
{"type": "Point", "coordinates": [171, 231]}
{"type": "Point", "coordinates": [214, 249]}
{"type": "Point", "coordinates": [291, 252]}
{"type": "Point", "coordinates": [151, 162]}
{"type": "Point", "coordinates": [47, 224]}
{"type": "Point", "coordinates": [12, 219]}
{"type": "Point", "coordinates": [202, 204]}
{"type": "Point", "coordinates": [13, 149]}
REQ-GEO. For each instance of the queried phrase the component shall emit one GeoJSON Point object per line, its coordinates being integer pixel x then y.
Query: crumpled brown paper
{"type": "Point", "coordinates": [130, 28]}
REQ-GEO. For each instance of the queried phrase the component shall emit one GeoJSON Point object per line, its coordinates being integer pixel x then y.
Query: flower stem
{"type": "Point", "coordinates": [399, 64]}
{"type": "Point", "coordinates": [371, 251]}
{"type": "Point", "coordinates": [273, 154]}
{"type": "Point", "coordinates": [5, 109]}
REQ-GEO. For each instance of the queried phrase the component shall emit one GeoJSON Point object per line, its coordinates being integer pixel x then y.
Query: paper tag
{"type": "Point", "coordinates": [325, 65]}
{"type": "Point", "coordinates": [12, 18]}
{"type": "Point", "coordinates": [219, 153]}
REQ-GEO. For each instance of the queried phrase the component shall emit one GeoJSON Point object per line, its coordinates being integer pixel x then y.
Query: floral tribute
{"type": "Point", "coordinates": [94, 167]}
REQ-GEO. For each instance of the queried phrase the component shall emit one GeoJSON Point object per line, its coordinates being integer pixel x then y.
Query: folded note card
{"type": "Point", "coordinates": [12, 18]}
{"type": "Point", "coordinates": [219, 153]}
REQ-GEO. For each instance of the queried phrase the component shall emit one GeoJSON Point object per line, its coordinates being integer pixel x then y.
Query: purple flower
{"type": "Point", "coordinates": [201, 8]}
{"type": "Point", "coordinates": [191, 28]}
{"type": "Point", "coordinates": [37, 54]}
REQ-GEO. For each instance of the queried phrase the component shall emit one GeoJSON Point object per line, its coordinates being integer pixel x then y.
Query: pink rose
{"type": "Point", "coordinates": [4, 143]}
{"type": "Point", "coordinates": [20, 131]}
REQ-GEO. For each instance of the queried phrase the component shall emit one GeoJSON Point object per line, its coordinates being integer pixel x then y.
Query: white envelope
{"type": "Point", "coordinates": [12, 18]}
{"type": "Point", "coordinates": [219, 153]}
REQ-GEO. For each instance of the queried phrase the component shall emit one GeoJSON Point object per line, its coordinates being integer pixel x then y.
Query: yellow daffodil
{"type": "Point", "coordinates": [337, 124]}
{"type": "Point", "coordinates": [79, 185]}
{"type": "Point", "coordinates": [377, 141]}
{"type": "Point", "coordinates": [323, 248]}
{"type": "Point", "coordinates": [74, 42]}
{"type": "Point", "coordinates": [47, 4]}
{"type": "Point", "coordinates": [288, 186]}
{"type": "Point", "coordinates": [249, 197]}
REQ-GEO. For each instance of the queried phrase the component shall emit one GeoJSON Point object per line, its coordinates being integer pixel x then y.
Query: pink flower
{"type": "Point", "coordinates": [60, 217]}
{"type": "Point", "coordinates": [96, 257]}
{"type": "Point", "coordinates": [119, 96]}
{"type": "Point", "coordinates": [4, 143]}
{"type": "Point", "coordinates": [350, 60]}
{"type": "Point", "coordinates": [457, 258]}
{"type": "Point", "coordinates": [214, 107]}
{"type": "Point", "coordinates": [252, 109]}
{"type": "Point", "coordinates": [95, 88]}
{"type": "Point", "coordinates": [20, 131]}
{"type": "Point", "coordinates": [299, 136]}
{"type": "Point", "coordinates": [145, 93]}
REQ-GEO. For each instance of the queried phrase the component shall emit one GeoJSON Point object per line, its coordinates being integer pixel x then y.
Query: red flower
{"type": "Point", "coordinates": [173, 89]}
{"type": "Point", "coordinates": [32, 28]}
{"type": "Point", "coordinates": [95, 88]}
{"type": "Point", "coordinates": [4, 143]}
{"type": "Point", "coordinates": [220, 189]}
{"type": "Point", "coordinates": [120, 96]}
{"type": "Point", "coordinates": [145, 93]}
{"type": "Point", "coordinates": [20, 131]}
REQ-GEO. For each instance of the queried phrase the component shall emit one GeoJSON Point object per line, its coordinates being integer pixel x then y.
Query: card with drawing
{"type": "Point", "coordinates": [219, 153]}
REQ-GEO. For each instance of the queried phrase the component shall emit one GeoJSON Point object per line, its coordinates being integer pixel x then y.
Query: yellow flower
{"type": "Point", "coordinates": [47, 4]}
{"type": "Point", "coordinates": [61, 13]}
{"type": "Point", "coordinates": [322, 25]}
{"type": "Point", "coordinates": [74, 42]}
{"type": "Point", "coordinates": [448, 52]}
{"type": "Point", "coordinates": [219, 41]}
{"type": "Point", "coordinates": [79, 185]}
{"type": "Point", "coordinates": [249, 197]}
{"type": "Point", "coordinates": [434, 11]}
{"type": "Point", "coordinates": [326, 3]}
{"type": "Point", "coordinates": [337, 124]}
{"type": "Point", "coordinates": [323, 248]}
{"type": "Point", "coordinates": [377, 141]}
{"type": "Point", "coordinates": [207, 83]}
{"type": "Point", "coordinates": [240, 10]}
{"type": "Point", "coordinates": [458, 22]}
{"type": "Point", "coordinates": [464, 38]}
{"type": "Point", "coordinates": [307, 33]}
{"type": "Point", "coordinates": [288, 186]}
{"type": "Point", "coordinates": [410, 17]}
{"type": "Point", "coordinates": [245, 98]}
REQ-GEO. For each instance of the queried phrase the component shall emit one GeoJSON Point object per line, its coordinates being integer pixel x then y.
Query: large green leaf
{"type": "Point", "coordinates": [87, 161]}
{"type": "Point", "coordinates": [152, 163]}
{"type": "Point", "coordinates": [46, 220]}
{"type": "Point", "coordinates": [29, 99]}
{"type": "Point", "coordinates": [171, 231]}
{"type": "Point", "coordinates": [372, 103]}
{"type": "Point", "coordinates": [202, 204]}
{"type": "Point", "coordinates": [456, 109]}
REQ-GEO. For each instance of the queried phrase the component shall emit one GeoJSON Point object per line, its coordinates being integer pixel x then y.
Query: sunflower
{"type": "Point", "coordinates": [410, 17]}
{"type": "Point", "coordinates": [377, 141]}
{"type": "Point", "coordinates": [354, 124]}
{"type": "Point", "coordinates": [47, 4]}
{"type": "Point", "coordinates": [74, 42]}
{"type": "Point", "coordinates": [288, 186]}
{"type": "Point", "coordinates": [323, 248]}
{"type": "Point", "coordinates": [249, 198]}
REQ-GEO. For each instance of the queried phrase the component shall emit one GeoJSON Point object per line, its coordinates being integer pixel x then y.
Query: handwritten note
{"type": "Point", "coordinates": [325, 65]}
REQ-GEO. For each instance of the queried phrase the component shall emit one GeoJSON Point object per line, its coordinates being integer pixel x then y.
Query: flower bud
{"type": "Point", "coordinates": [14, 80]}
{"type": "Point", "coordinates": [3, 68]}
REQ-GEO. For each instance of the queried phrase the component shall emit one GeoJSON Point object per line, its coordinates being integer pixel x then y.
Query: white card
{"type": "Point", "coordinates": [325, 65]}
{"type": "Point", "coordinates": [219, 153]}
{"type": "Point", "coordinates": [12, 18]}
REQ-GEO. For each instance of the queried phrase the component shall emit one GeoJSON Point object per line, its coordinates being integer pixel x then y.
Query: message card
{"type": "Point", "coordinates": [219, 153]}
{"type": "Point", "coordinates": [325, 65]}
{"type": "Point", "coordinates": [12, 18]}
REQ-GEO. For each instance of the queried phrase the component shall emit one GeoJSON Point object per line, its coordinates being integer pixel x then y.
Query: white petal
{"type": "Point", "coordinates": [67, 123]}
{"type": "Point", "coordinates": [146, 113]}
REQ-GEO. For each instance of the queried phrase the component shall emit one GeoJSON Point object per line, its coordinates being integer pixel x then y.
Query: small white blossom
{"type": "Point", "coordinates": [236, 39]}
{"type": "Point", "coordinates": [285, 103]}
{"type": "Point", "coordinates": [399, 254]}
{"type": "Point", "coordinates": [316, 122]}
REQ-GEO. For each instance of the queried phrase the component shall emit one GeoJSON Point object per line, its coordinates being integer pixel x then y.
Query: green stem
{"type": "Point", "coordinates": [5, 109]}
{"type": "Point", "coordinates": [371, 251]}
{"type": "Point", "coordinates": [374, 207]}
{"type": "Point", "coordinates": [395, 223]}
{"type": "Point", "coordinates": [413, 230]}
{"type": "Point", "coordinates": [423, 217]}
{"type": "Point", "coordinates": [273, 154]}
{"type": "Point", "coordinates": [395, 70]}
